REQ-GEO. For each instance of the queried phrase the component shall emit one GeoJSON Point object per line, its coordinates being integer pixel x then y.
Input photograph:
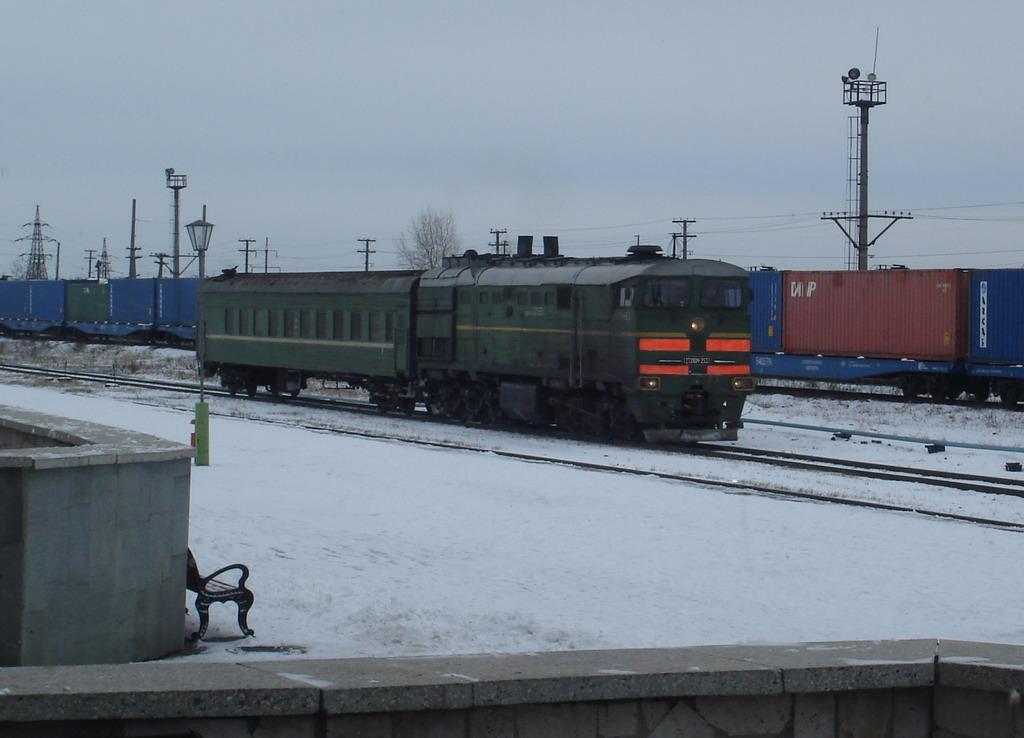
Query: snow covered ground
{"type": "Point", "coordinates": [368, 547]}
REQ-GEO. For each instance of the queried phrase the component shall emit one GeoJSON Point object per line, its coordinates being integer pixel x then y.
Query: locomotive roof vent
{"type": "Point", "coordinates": [550, 245]}
{"type": "Point", "coordinates": [644, 251]}
{"type": "Point", "coordinates": [524, 247]}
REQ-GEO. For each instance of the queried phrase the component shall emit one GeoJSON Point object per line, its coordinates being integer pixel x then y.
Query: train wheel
{"type": "Point", "coordinates": [912, 387]}
{"type": "Point", "coordinates": [250, 387]}
{"type": "Point", "coordinates": [979, 390]}
{"type": "Point", "coordinates": [1009, 395]}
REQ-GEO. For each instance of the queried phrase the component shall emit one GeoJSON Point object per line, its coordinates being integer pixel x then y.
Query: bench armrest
{"type": "Point", "coordinates": [242, 569]}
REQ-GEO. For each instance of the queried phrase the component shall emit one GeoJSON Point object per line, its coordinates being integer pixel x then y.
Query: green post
{"type": "Point", "coordinates": [202, 434]}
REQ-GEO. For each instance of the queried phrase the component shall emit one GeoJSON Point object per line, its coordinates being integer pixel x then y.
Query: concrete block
{"type": "Point", "coordinates": [865, 713]}
{"type": "Point", "coordinates": [378, 685]}
{"type": "Point", "coordinates": [95, 729]}
{"type": "Point", "coordinates": [613, 675]}
{"type": "Point", "coordinates": [827, 667]}
{"type": "Point", "coordinates": [446, 724]}
{"type": "Point", "coordinates": [359, 726]}
{"type": "Point", "coordinates": [253, 727]}
{"type": "Point", "coordinates": [149, 691]}
{"type": "Point", "coordinates": [492, 722]}
{"type": "Point", "coordinates": [984, 666]}
{"type": "Point", "coordinates": [618, 719]}
{"type": "Point", "coordinates": [973, 713]}
{"type": "Point", "coordinates": [652, 712]}
{"type": "Point", "coordinates": [578, 720]}
{"type": "Point", "coordinates": [814, 716]}
{"type": "Point", "coordinates": [766, 715]}
{"type": "Point", "coordinates": [912, 713]}
{"type": "Point", "coordinates": [10, 506]}
{"type": "Point", "coordinates": [683, 722]}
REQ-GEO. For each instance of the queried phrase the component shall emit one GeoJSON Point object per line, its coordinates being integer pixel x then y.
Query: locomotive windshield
{"type": "Point", "coordinates": [668, 293]}
{"type": "Point", "coordinates": [721, 293]}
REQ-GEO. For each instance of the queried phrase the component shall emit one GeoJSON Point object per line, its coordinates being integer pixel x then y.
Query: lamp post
{"type": "Point", "coordinates": [199, 232]}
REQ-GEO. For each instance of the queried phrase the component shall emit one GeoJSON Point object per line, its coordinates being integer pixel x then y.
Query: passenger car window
{"type": "Point", "coordinates": [721, 293]}
{"type": "Point", "coordinates": [668, 293]}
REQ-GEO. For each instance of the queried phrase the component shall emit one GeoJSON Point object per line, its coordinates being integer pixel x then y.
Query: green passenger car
{"type": "Point", "coordinates": [279, 330]}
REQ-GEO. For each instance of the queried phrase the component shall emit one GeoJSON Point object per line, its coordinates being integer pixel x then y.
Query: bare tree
{"type": "Point", "coordinates": [19, 267]}
{"type": "Point", "coordinates": [431, 235]}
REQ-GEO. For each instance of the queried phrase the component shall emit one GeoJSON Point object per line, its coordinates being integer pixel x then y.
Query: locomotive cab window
{"type": "Point", "coordinates": [721, 293]}
{"type": "Point", "coordinates": [668, 293]}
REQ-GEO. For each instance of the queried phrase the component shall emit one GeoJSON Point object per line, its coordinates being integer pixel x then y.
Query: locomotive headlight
{"type": "Point", "coordinates": [650, 383]}
{"type": "Point", "coordinates": [697, 325]}
{"type": "Point", "coordinates": [743, 384]}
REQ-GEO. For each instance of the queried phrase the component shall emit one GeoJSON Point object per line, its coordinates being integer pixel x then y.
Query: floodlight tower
{"type": "Point", "coordinates": [176, 182]}
{"type": "Point", "coordinates": [863, 94]}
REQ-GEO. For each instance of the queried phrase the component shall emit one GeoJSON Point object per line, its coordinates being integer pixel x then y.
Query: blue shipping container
{"type": "Point", "coordinates": [997, 317]}
{"type": "Point", "coordinates": [176, 305]}
{"type": "Point", "coordinates": [766, 312]}
{"type": "Point", "coordinates": [14, 299]}
{"type": "Point", "coordinates": [131, 302]}
{"type": "Point", "coordinates": [31, 304]}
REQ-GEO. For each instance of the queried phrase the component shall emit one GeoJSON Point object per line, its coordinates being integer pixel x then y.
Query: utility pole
{"type": "Point", "coordinates": [89, 253]}
{"type": "Point", "coordinates": [266, 255]}
{"type": "Point", "coordinates": [366, 251]}
{"type": "Point", "coordinates": [161, 258]}
{"type": "Point", "coordinates": [57, 274]}
{"type": "Point", "coordinates": [133, 272]}
{"type": "Point", "coordinates": [497, 233]}
{"type": "Point", "coordinates": [686, 236]}
{"type": "Point", "coordinates": [247, 250]}
{"type": "Point", "coordinates": [675, 236]}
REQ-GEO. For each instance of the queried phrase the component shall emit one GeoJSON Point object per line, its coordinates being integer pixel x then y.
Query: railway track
{"type": "Point", "coordinates": [843, 468]}
{"type": "Point", "coordinates": [883, 393]}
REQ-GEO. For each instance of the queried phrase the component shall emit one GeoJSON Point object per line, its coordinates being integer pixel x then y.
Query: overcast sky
{"type": "Point", "coordinates": [315, 124]}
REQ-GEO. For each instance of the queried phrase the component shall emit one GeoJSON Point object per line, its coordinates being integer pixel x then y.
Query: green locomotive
{"type": "Point", "coordinates": [599, 346]}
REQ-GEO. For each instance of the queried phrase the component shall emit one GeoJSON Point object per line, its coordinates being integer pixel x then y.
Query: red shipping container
{"type": "Point", "coordinates": [886, 314]}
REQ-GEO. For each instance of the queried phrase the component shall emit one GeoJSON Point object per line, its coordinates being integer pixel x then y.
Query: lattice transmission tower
{"type": "Point", "coordinates": [37, 253]}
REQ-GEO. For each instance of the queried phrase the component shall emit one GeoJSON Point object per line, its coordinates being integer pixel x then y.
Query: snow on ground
{"type": "Point", "coordinates": [367, 547]}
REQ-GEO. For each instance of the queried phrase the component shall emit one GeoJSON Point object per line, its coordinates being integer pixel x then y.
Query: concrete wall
{"type": "Point", "coordinates": [93, 535]}
{"type": "Point", "coordinates": [901, 689]}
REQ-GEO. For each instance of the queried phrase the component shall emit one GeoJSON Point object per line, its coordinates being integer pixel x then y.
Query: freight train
{"type": "Point", "coordinates": [936, 332]}
{"type": "Point", "coordinates": [157, 311]}
{"type": "Point", "coordinates": [602, 346]}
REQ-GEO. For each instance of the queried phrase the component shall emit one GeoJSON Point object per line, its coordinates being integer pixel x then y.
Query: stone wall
{"type": "Point", "coordinates": [93, 538]}
{"type": "Point", "coordinates": [899, 689]}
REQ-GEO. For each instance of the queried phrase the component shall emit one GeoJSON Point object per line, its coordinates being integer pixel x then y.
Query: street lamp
{"type": "Point", "coordinates": [199, 232]}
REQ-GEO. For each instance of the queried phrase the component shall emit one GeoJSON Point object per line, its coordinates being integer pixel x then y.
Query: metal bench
{"type": "Point", "coordinates": [210, 589]}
